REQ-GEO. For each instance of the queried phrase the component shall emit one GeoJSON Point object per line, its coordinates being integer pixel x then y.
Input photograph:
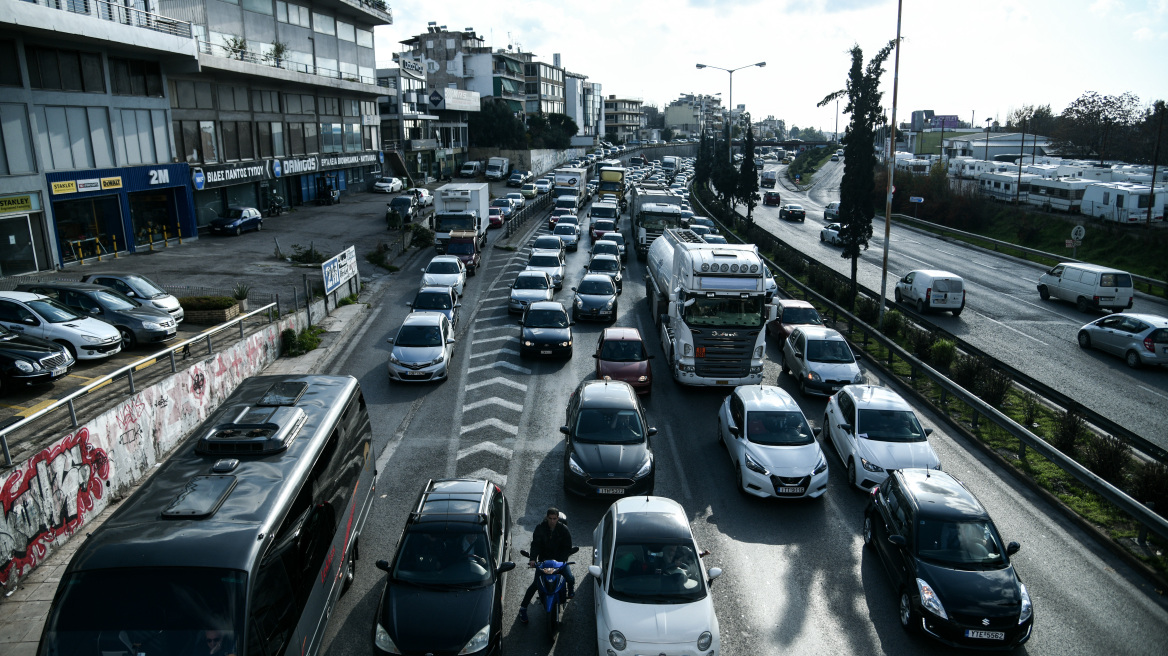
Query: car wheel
{"type": "Point", "coordinates": [867, 532]}
{"type": "Point", "coordinates": [896, 294]}
{"type": "Point", "coordinates": [908, 618]}
{"type": "Point", "coordinates": [259, 226]}
{"type": "Point", "coordinates": [238, 231]}
{"type": "Point", "coordinates": [350, 574]}
{"type": "Point", "coordinates": [128, 339]}
{"type": "Point", "coordinates": [738, 478]}
{"type": "Point", "coordinates": [1084, 340]}
{"type": "Point", "coordinates": [957, 312]}
{"type": "Point", "coordinates": [852, 472]}
{"type": "Point", "coordinates": [1133, 359]}
{"type": "Point", "coordinates": [821, 237]}
{"type": "Point", "coordinates": [802, 386]}
{"type": "Point", "coordinates": [920, 306]}
{"type": "Point", "coordinates": [1044, 293]}
{"type": "Point", "coordinates": [1081, 304]}
{"type": "Point", "coordinates": [783, 364]}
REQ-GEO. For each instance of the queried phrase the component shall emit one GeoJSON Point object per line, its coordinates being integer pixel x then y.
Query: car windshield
{"type": "Point", "coordinates": [433, 301]}
{"type": "Point", "coordinates": [114, 301]}
{"type": "Point", "coordinates": [829, 351]}
{"type": "Point", "coordinates": [596, 287]}
{"type": "Point", "coordinates": [546, 242]}
{"type": "Point", "coordinates": [609, 426]}
{"type": "Point", "coordinates": [153, 610]}
{"type": "Point", "coordinates": [143, 287]}
{"type": "Point", "coordinates": [546, 319]}
{"type": "Point", "coordinates": [725, 311]}
{"type": "Point", "coordinates": [401, 201]}
{"type": "Point", "coordinates": [615, 237]}
{"type": "Point", "coordinates": [450, 223]}
{"type": "Point", "coordinates": [53, 311]}
{"type": "Point", "coordinates": [544, 261]}
{"type": "Point", "coordinates": [604, 264]}
{"type": "Point", "coordinates": [971, 544]}
{"type": "Point", "coordinates": [602, 212]}
{"type": "Point", "coordinates": [565, 229]}
{"type": "Point", "coordinates": [233, 213]}
{"type": "Point", "coordinates": [419, 336]}
{"type": "Point", "coordinates": [607, 248]}
{"type": "Point", "coordinates": [656, 573]}
{"type": "Point", "coordinates": [658, 222]}
{"type": "Point", "coordinates": [442, 267]}
{"type": "Point", "coordinates": [443, 558]}
{"type": "Point", "coordinates": [501, 202]}
{"type": "Point", "coordinates": [460, 248]}
{"type": "Point", "coordinates": [622, 350]}
{"type": "Point", "coordinates": [603, 224]}
{"type": "Point", "coordinates": [778, 428]}
{"type": "Point", "coordinates": [890, 426]}
{"type": "Point", "coordinates": [531, 282]}
{"type": "Point", "coordinates": [797, 208]}
{"type": "Point", "coordinates": [386, 181]}
{"type": "Point", "coordinates": [802, 315]}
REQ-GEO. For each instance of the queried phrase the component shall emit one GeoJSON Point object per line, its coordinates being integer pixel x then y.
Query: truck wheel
{"type": "Point", "coordinates": [1044, 293]}
{"type": "Point", "coordinates": [1082, 304]}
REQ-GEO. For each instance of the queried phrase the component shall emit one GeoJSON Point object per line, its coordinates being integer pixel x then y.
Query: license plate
{"type": "Point", "coordinates": [792, 490]}
{"type": "Point", "coordinates": [415, 373]}
{"type": "Point", "coordinates": [985, 635]}
{"type": "Point", "coordinates": [835, 388]}
{"type": "Point", "coordinates": [610, 490]}
{"type": "Point", "coordinates": [171, 332]}
{"type": "Point", "coordinates": [545, 352]}
{"type": "Point", "coordinates": [59, 371]}
{"type": "Point", "coordinates": [721, 382]}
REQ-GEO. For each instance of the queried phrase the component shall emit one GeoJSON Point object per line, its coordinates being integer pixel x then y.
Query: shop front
{"type": "Point", "coordinates": [352, 173]}
{"type": "Point", "coordinates": [105, 211]}
{"type": "Point", "coordinates": [24, 244]}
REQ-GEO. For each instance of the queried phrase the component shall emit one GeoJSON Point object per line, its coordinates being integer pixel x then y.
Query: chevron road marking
{"type": "Point", "coordinates": [495, 352]}
{"type": "Point", "coordinates": [499, 365]}
{"type": "Point", "coordinates": [497, 423]}
{"type": "Point", "coordinates": [496, 339]}
{"type": "Point", "coordinates": [498, 380]}
{"type": "Point", "coordinates": [494, 400]}
{"type": "Point", "coordinates": [491, 447]}
{"type": "Point", "coordinates": [490, 475]}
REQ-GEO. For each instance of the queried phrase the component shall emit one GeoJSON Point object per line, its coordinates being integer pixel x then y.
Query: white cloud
{"type": "Point", "coordinates": [1144, 34]}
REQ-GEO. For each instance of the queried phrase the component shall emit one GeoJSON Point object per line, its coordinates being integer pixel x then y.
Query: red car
{"type": "Point", "coordinates": [495, 217]}
{"type": "Point", "coordinates": [621, 354]}
{"type": "Point", "coordinates": [770, 198]}
{"type": "Point", "coordinates": [555, 217]}
{"type": "Point", "coordinates": [791, 314]}
{"type": "Point", "coordinates": [601, 227]}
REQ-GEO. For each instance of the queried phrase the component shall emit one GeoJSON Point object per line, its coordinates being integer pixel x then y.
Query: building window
{"type": "Point", "coordinates": [323, 24]}
{"type": "Point", "coordinates": [207, 140]}
{"type": "Point", "coordinates": [286, 12]}
{"type": "Point", "coordinates": [352, 137]}
{"type": "Point", "coordinates": [232, 98]}
{"type": "Point", "coordinates": [346, 32]}
{"type": "Point", "coordinates": [9, 75]}
{"type": "Point", "coordinates": [64, 70]}
{"type": "Point", "coordinates": [264, 138]}
{"type": "Point", "coordinates": [292, 103]}
{"type": "Point", "coordinates": [328, 106]}
{"type": "Point", "coordinates": [351, 107]}
{"type": "Point", "coordinates": [134, 77]}
{"type": "Point", "coordinates": [267, 102]}
{"type": "Point", "coordinates": [258, 6]}
{"type": "Point", "coordinates": [16, 154]}
{"type": "Point", "coordinates": [278, 139]}
{"type": "Point", "coordinates": [364, 38]}
{"type": "Point", "coordinates": [237, 144]}
{"type": "Point", "coordinates": [296, 139]}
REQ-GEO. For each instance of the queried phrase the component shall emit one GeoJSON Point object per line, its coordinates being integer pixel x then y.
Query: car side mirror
{"type": "Point", "coordinates": [571, 323]}
{"type": "Point", "coordinates": [1012, 548]}
{"type": "Point", "coordinates": [928, 432]}
{"type": "Point", "coordinates": [651, 432]}
{"type": "Point", "coordinates": [389, 340]}
{"type": "Point", "coordinates": [816, 431]}
{"type": "Point", "coordinates": [714, 573]}
{"type": "Point", "coordinates": [520, 322]}
{"type": "Point", "coordinates": [506, 567]}
{"type": "Point", "coordinates": [847, 428]}
{"type": "Point", "coordinates": [573, 289]}
{"type": "Point", "coordinates": [458, 305]}
{"type": "Point", "coordinates": [449, 340]}
{"type": "Point", "coordinates": [95, 310]}
{"type": "Point", "coordinates": [857, 356]}
{"type": "Point", "coordinates": [734, 430]}
{"type": "Point", "coordinates": [422, 270]}
{"type": "Point", "coordinates": [383, 565]}
{"type": "Point", "coordinates": [596, 356]}
{"type": "Point", "coordinates": [30, 321]}
{"type": "Point", "coordinates": [409, 304]}
{"type": "Point", "coordinates": [898, 540]}
{"type": "Point", "coordinates": [594, 571]}
{"type": "Point", "coordinates": [798, 354]}
{"type": "Point", "coordinates": [130, 294]}
{"type": "Point", "coordinates": [564, 430]}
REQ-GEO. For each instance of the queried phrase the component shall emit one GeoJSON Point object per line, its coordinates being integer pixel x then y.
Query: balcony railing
{"type": "Point", "coordinates": [227, 52]}
{"type": "Point", "coordinates": [119, 13]}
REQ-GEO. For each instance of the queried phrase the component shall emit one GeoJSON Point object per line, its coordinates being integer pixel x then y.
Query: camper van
{"type": "Point", "coordinates": [245, 536]}
{"type": "Point", "coordinates": [1088, 286]}
{"type": "Point", "coordinates": [1062, 194]}
{"type": "Point", "coordinates": [1007, 187]}
{"type": "Point", "coordinates": [1123, 202]}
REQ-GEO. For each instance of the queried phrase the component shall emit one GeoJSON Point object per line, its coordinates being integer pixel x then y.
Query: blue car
{"type": "Point", "coordinates": [237, 219]}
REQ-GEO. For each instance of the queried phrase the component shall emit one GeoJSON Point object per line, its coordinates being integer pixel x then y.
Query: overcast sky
{"type": "Point", "coordinates": [986, 57]}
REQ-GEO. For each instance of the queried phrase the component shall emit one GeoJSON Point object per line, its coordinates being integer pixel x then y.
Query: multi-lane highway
{"type": "Point", "coordinates": [797, 579]}
{"type": "Point", "coordinates": [1004, 315]}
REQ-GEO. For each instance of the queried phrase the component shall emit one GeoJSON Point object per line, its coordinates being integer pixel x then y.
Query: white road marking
{"type": "Point", "coordinates": [495, 352]}
{"type": "Point", "coordinates": [497, 423]}
{"type": "Point", "coordinates": [496, 339]}
{"type": "Point", "coordinates": [912, 258]}
{"type": "Point", "coordinates": [946, 252]}
{"type": "Point", "coordinates": [1010, 328]}
{"type": "Point", "coordinates": [494, 400]}
{"type": "Point", "coordinates": [489, 447]}
{"type": "Point", "coordinates": [498, 380]}
{"type": "Point", "coordinates": [488, 474]}
{"type": "Point", "coordinates": [490, 299]}
{"type": "Point", "coordinates": [486, 319]}
{"type": "Point", "coordinates": [499, 365]}
{"type": "Point", "coordinates": [1149, 389]}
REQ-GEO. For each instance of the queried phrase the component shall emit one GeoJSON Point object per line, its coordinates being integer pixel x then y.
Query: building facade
{"type": "Point", "coordinates": [622, 118]}
{"type": "Point", "coordinates": [584, 102]}
{"type": "Point", "coordinates": [544, 86]}
{"type": "Point", "coordinates": [686, 114]}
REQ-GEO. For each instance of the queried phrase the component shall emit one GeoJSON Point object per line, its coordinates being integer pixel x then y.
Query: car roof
{"type": "Point", "coordinates": [451, 500]}
{"type": "Point", "coordinates": [876, 397]}
{"type": "Point", "coordinates": [938, 494]}
{"type": "Point", "coordinates": [612, 236]}
{"type": "Point", "coordinates": [428, 318]}
{"type": "Point", "coordinates": [820, 332]}
{"type": "Point", "coordinates": [604, 256]}
{"type": "Point", "coordinates": [648, 518]}
{"type": "Point", "coordinates": [20, 296]}
{"type": "Point", "coordinates": [114, 274]}
{"type": "Point", "coordinates": [546, 251]}
{"type": "Point", "coordinates": [436, 289]}
{"type": "Point", "coordinates": [532, 272]}
{"type": "Point", "coordinates": [1156, 320]}
{"type": "Point", "coordinates": [935, 273]}
{"type": "Point", "coordinates": [547, 305]}
{"type": "Point", "coordinates": [766, 397]}
{"type": "Point", "coordinates": [792, 303]}
{"type": "Point", "coordinates": [623, 334]}
{"type": "Point", "coordinates": [607, 394]}
{"type": "Point", "coordinates": [445, 258]}
{"type": "Point", "coordinates": [596, 276]}
{"type": "Point", "coordinates": [1090, 267]}
{"type": "Point", "coordinates": [79, 286]}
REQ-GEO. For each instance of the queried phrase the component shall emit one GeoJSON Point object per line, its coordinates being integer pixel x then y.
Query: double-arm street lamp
{"type": "Point", "coordinates": [729, 127]}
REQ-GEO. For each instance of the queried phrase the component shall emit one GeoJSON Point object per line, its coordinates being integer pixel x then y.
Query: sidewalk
{"type": "Point", "coordinates": [24, 611]}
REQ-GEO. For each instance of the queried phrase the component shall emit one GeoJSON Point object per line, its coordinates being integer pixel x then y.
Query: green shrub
{"type": "Point", "coordinates": [307, 255]}
{"type": "Point", "coordinates": [1029, 409]}
{"type": "Point", "coordinates": [422, 236]}
{"type": "Point", "coordinates": [993, 386]}
{"type": "Point", "coordinates": [300, 343]}
{"type": "Point", "coordinates": [867, 309]}
{"type": "Point", "coordinates": [1151, 485]}
{"type": "Point", "coordinates": [196, 303]}
{"type": "Point", "coordinates": [942, 352]}
{"type": "Point", "coordinates": [348, 300]}
{"type": "Point", "coordinates": [1068, 429]}
{"type": "Point", "coordinates": [1108, 456]}
{"type": "Point", "coordinates": [920, 342]}
{"type": "Point", "coordinates": [965, 371]}
{"type": "Point", "coordinates": [893, 323]}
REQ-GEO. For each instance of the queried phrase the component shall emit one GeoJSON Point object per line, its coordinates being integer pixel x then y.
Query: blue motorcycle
{"type": "Point", "coordinates": [553, 590]}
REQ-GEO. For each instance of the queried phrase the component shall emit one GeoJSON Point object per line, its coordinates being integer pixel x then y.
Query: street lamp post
{"type": "Point", "coordinates": [730, 113]}
{"type": "Point", "coordinates": [987, 150]}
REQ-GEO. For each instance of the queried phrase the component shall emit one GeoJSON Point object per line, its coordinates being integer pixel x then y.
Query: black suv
{"type": "Point", "coordinates": [951, 571]}
{"type": "Point", "coordinates": [608, 452]}
{"type": "Point", "coordinates": [444, 589]}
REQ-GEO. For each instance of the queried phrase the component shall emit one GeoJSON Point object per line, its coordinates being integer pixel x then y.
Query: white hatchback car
{"type": "Point", "coordinates": [31, 314]}
{"type": "Point", "coordinates": [652, 592]}
{"type": "Point", "coordinates": [445, 271]}
{"type": "Point", "coordinates": [873, 430]}
{"type": "Point", "coordinates": [771, 445]}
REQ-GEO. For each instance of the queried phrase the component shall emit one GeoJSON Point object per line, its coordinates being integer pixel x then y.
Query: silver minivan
{"type": "Point", "coordinates": [1137, 338]}
{"type": "Point", "coordinates": [1088, 286]}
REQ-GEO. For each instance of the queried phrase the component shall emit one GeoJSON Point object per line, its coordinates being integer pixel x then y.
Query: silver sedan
{"type": "Point", "coordinates": [1140, 339]}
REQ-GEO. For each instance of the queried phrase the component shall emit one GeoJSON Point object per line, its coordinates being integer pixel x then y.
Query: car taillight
{"type": "Point", "coordinates": [928, 294]}
{"type": "Point", "coordinates": [1149, 345]}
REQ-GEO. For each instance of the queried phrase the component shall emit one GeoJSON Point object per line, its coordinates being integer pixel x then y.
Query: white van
{"type": "Point", "coordinates": [471, 170]}
{"type": "Point", "coordinates": [930, 289]}
{"type": "Point", "coordinates": [1088, 286]}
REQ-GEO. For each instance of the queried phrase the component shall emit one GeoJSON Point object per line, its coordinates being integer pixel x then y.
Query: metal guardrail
{"type": "Point", "coordinates": [227, 52]}
{"type": "Point", "coordinates": [120, 13]}
{"type": "Point", "coordinates": [530, 209]}
{"type": "Point", "coordinates": [1141, 513]}
{"type": "Point", "coordinates": [128, 372]}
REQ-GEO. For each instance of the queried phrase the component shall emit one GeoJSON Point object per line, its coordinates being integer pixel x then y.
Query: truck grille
{"type": "Point", "coordinates": [727, 352]}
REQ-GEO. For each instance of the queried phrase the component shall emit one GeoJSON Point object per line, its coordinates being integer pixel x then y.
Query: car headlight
{"type": "Point", "coordinates": [575, 467]}
{"type": "Point", "coordinates": [529, 343]}
{"type": "Point", "coordinates": [705, 640]}
{"type": "Point", "coordinates": [753, 465]}
{"type": "Point", "coordinates": [820, 466]}
{"type": "Point", "coordinates": [1027, 608]}
{"type": "Point", "coordinates": [610, 303]}
{"type": "Point", "coordinates": [645, 468]}
{"type": "Point", "coordinates": [90, 339]}
{"type": "Point", "coordinates": [642, 379]}
{"type": "Point", "coordinates": [478, 642]}
{"type": "Point", "coordinates": [811, 375]}
{"type": "Point", "coordinates": [929, 600]}
{"type": "Point", "coordinates": [617, 277]}
{"type": "Point", "coordinates": [871, 466]}
{"type": "Point", "coordinates": [151, 325]}
{"type": "Point", "coordinates": [159, 304]}
{"type": "Point", "coordinates": [579, 303]}
{"type": "Point", "coordinates": [859, 378]}
{"type": "Point", "coordinates": [617, 640]}
{"type": "Point", "coordinates": [439, 359]}
{"type": "Point", "coordinates": [567, 343]}
{"type": "Point", "coordinates": [393, 359]}
{"type": "Point", "coordinates": [26, 367]}
{"type": "Point", "coordinates": [687, 349]}
{"type": "Point", "coordinates": [383, 642]}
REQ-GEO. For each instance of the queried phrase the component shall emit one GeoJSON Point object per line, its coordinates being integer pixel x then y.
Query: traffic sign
{"type": "Point", "coordinates": [1070, 243]}
{"type": "Point", "coordinates": [1078, 233]}
{"type": "Point", "coordinates": [915, 199]}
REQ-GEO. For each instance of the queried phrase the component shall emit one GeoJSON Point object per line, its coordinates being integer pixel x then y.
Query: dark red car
{"type": "Point", "coordinates": [601, 227]}
{"type": "Point", "coordinates": [555, 217]}
{"type": "Point", "coordinates": [621, 354]}
{"type": "Point", "coordinates": [494, 217]}
{"type": "Point", "coordinates": [791, 314]}
{"type": "Point", "coordinates": [770, 198]}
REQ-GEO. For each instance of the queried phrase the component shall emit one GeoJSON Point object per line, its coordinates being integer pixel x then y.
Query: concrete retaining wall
{"type": "Point", "coordinates": [538, 161]}
{"type": "Point", "coordinates": [52, 495]}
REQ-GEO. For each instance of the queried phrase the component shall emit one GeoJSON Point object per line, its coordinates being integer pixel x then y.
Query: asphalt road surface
{"type": "Point", "coordinates": [1004, 315]}
{"type": "Point", "coordinates": [797, 579]}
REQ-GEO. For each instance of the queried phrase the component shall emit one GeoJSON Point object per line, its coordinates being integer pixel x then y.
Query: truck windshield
{"type": "Point", "coordinates": [603, 212]}
{"type": "Point", "coordinates": [725, 311]}
{"type": "Point", "coordinates": [448, 223]}
{"type": "Point", "coordinates": [658, 222]}
{"type": "Point", "coordinates": [610, 186]}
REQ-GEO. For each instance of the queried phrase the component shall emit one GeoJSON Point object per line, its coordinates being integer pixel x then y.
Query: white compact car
{"type": "Point", "coordinates": [445, 271]}
{"type": "Point", "coordinates": [550, 262]}
{"type": "Point", "coordinates": [873, 430]}
{"type": "Point", "coordinates": [388, 185]}
{"type": "Point", "coordinates": [530, 287]}
{"type": "Point", "coordinates": [652, 592]}
{"type": "Point", "coordinates": [31, 314]}
{"type": "Point", "coordinates": [771, 445]}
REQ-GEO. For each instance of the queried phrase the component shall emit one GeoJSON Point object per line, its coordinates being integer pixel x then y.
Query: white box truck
{"type": "Point", "coordinates": [498, 168]}
{"type": "Point", "coordinates": [460, 206]}
{"type": "Point", "coordinates": [572, 182]}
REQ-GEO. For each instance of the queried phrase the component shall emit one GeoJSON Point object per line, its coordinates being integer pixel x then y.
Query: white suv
{"type": "Point", "coordinates": [873, 430]}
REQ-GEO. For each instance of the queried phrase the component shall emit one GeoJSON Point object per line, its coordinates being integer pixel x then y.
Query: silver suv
{"type": "Point", "coordinates": [1137, 338]}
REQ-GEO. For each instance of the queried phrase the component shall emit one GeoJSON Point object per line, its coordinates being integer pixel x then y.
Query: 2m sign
{"type": "Point", "coordinates": [159, 176]}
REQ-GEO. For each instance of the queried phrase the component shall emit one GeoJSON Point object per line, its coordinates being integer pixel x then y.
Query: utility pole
{"type": "Point", "coordinates": [1021, 158]}
{"type": "Point", "coordinates": [891, 163]}
{"type": "Point", "coordinates": [1155, 159]}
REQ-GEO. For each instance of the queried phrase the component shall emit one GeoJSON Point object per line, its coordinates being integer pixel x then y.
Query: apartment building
{"type": "Point", "coordinates": [423, 126]}
{"type": "Point", "coordinates": [543, 85]}
{"type": "Point", "coordinates": [584, 102]}
{"type": "Point", "coordinates": [689, 112]}
{"type": "Point", "coordinates": [622, 118]}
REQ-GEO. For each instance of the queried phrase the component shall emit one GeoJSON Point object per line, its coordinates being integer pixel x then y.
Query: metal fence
{"type": "Point", "coordinates": [529, 209]}
{"type": "Point", "coordinates": [267, 59]}
{"type": "Point", "coordinates": [1138, 511]}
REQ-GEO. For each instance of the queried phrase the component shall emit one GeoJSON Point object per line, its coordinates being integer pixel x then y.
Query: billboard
{"type": "Point", "coordinates": [457, 100]}
{"type": "Point", "coordinates": [947, 121]}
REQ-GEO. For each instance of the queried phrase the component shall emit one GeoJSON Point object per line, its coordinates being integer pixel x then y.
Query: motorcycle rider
{"type": "Point", "coordinates": [550, 541]}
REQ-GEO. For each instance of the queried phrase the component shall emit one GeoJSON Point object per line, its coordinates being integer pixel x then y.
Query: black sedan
{"type": "Point", "coordinates": [545, 330]}
{"type": "Point", "coordinates": [608, 452]}
{"type": "Point", "coordinates": [792, 212]}
{"type": "Point", "coordinates": [607, 265]}
{"type": "Point", "coordinates": [595, 298]}
{"type": "Point", "coordinates": [26, 361]}
{"type": "Point", "coordinates": [951, 570]}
